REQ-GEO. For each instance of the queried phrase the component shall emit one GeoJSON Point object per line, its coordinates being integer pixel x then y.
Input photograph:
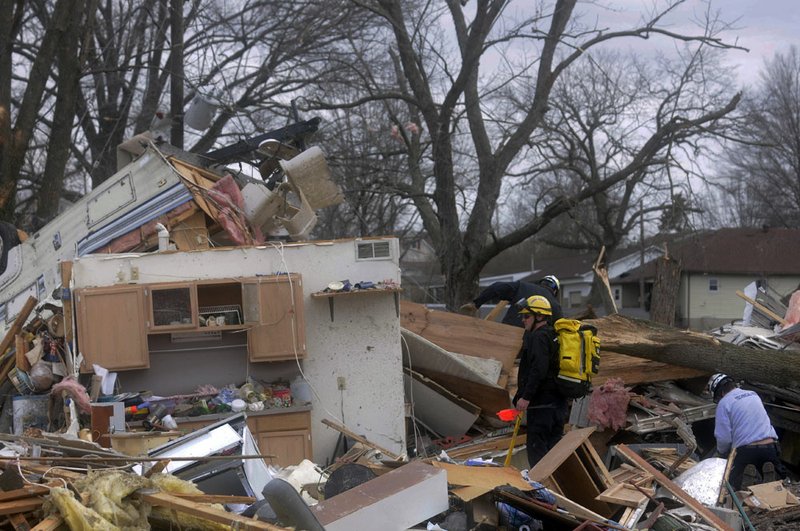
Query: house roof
{"type": "Point", "coordinates": [732, 251]}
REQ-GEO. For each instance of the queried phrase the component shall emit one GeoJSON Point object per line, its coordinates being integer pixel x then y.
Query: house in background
{"type": "Point", "coordinates": [715, 264]}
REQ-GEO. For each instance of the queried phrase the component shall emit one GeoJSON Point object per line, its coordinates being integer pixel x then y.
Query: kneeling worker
{"type": "Point", "coordinates": [742, 423]}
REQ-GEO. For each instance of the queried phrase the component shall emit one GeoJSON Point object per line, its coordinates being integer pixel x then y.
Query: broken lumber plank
{"type": "Point", "coordinates": [23, 505]}
{"type": "Point", "coordinates": [24, 492]}
{"type": "Point", "coordinates": [498, 308]}
{"type": "Point", "coordinates": [19, 522]}
{"type": "Point", "coordinates": [701, 510]}
{"type": "Point", "coordinates": [157, 468]}
{"type": "Point", "coordinates": [22, 362]}
{"type": "Point", "coordinates": [463, 334]}
{"type": "Point", "coordinates": [168, 501]}
{"type": "Point", "coordinates": [362, 440]}
{"type": "Point", "coordinates": [582, 512]}
{"type": "Point", "coordinates": [66, 297]}
{"type": "Point", "coordinates": [490, 399]}
{"type": "Point", "coordinates": [215, 498]}
{"type": "Point", "coordinates": [653, 341]}
{"type": "Point", "coordinates": [624, 494]}
{"type": "Point", "coordinates": [761, 308]}
{"type": "Point", "coordinates": [564, 466]}
{"type": "Point", "coordinates": [482, 447]}
{"type": "Point", "coordinates": [51, 523]}
{"type": "Point", "coordinates": [15, 328]}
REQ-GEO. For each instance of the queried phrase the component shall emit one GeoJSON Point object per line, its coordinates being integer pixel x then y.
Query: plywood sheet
{"type": "Point", "coordinates": [445, 413]}
{"type": "Point", "coordinates": [463, 334]}
{"type": "Point", "coordinates": [475, 481]}
{"type": "Point", "coordinates": [559, 453]}
{"type": "Point", "coordinates": [424, 354]}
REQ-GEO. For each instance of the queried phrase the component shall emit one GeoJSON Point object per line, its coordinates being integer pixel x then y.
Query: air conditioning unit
{"type": "Point", "coordinates": [373, 250]}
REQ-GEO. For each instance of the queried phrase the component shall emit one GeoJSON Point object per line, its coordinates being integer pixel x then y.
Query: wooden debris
{"type": "Point", "coordinates": [496, 311]}
{"type": "Point", "coordinates": [701, 510]}
{"type": "Point", "coordinates": [51, 523]}
{"type": "Point", "coordinates": [215, 498]}
{"type": "Point", "coordinates": [169, 501]}
{"type": "Point", "coordinates": [463, 334]}
{"type": "Point", "coordinates": [22, 505]}
{"type": "Point", "coordinates": [574, 473]}
{"type": "Point", "coordinates": [16, 327]}
{"type": "Point", "coordinates": [761, 308]}
{"type": "Point", "coordinates": [624, 494]}
{"type": "Point", "coordinates": [362, 440]}
{"type": "Point", "coordinates": [19, 522]}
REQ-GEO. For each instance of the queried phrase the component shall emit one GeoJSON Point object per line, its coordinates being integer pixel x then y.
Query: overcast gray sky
{"type": "Point", "coordinates": [765, 27]}
{"type": "Point", "coordinates": [762, 26]}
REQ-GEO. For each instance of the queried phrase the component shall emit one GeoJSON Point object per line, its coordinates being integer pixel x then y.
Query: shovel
{"type": "Point", "coordinates": [508, 415]}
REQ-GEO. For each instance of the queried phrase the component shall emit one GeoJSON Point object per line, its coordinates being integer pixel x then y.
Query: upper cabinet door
{"type": "Point", "coordinates": [281, 332]}
{"type": "Point", "coordinates": [173, 306]}
{"type": "Point", "coordinates": [112, 328]}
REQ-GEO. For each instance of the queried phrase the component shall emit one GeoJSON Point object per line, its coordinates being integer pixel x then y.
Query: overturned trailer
{"type": "Point", "coordinates": [200, 200]}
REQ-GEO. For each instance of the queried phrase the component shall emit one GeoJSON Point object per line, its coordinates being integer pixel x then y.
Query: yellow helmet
{"type": "Point", "coordinates": [535, 304]}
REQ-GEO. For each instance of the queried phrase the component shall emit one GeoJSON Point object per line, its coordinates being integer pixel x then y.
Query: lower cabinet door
{"type": "Point", "coordinates": [288, 447]}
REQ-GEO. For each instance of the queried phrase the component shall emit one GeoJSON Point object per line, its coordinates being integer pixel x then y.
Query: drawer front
{"type": "Point", "coordinates": [281, 422]}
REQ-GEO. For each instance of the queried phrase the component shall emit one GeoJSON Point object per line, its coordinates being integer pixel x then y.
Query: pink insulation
{"type": "Point", "coordinates": [229, 202]}
{"type": "Point", "coordinates": [608, 404]}
{"type": "Point", "coordinates": [793, 311]}
{"type": "Point", "coordinates": [75, 391]}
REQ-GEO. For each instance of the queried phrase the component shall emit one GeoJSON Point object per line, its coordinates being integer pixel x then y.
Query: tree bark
{"type": "Point", "coordinates": [61, 131]}
{"type": "Point", "coordinates": [665, 291]}
{"type": "Point", "coordinates": [653, 341]}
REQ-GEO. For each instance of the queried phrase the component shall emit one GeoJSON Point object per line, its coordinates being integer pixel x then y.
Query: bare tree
{"type": "Point", "coordinates": [57, 30]}
{"type": "Point", "coordinates": [250, 57]}
{"type": "Point", "coordinates": [365, 153]}
{"type": "Point", "coordinates": [763, 167]}
{"type": "Point", "coordinates": [460, 103]}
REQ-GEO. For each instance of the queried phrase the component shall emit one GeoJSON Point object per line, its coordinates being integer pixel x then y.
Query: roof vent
{"type": "Point", "coordinates": [373, 250]}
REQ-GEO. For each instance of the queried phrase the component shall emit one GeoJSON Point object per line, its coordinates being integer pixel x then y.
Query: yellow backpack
{"type": "Point", "coordinates": [578, 357]}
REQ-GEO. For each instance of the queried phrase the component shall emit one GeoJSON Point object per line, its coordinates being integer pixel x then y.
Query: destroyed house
{"type": "Point", "coordinates": [173, 321]}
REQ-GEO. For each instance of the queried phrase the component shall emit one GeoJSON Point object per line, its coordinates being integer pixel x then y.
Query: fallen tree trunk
{"type": "Point", "coordinates": [653, 341]}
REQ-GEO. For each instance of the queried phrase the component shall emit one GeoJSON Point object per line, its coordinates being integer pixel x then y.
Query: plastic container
{"type": "Point", "coordinates": [301, 391]}
{"type": "Point", "coordinates": [30, 412]}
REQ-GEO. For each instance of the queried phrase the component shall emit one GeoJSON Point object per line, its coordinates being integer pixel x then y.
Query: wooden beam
{"type": "Point", "coordinates": [463, 334]}
{"type": "Point", "coordinates": [22, 362]}
{"type": "Point", "coordinates": [19, 522]}
{"type": "Point", "coordinates": [674, 489]}
{"type": "Point", "coordinates": [23, 505]}
{"type": "Point", "coordinates": [362, 440]}
{"type": "Point", "coordinates": [15, 328]}
{"type": "Point", "coordinates": [24, 492]}
{"type": "Point", "coordinates": [168, 501]}
{"type": "Point", "coordinates": [215, 498]}
{"type": "Point", "coordinates": [499, 307]}
{"type": "Point", "coordinates": [761, 308]}
{"type": "Point", "coordinates": [51, 523]}
{"type": "Point", "coordinates": [66, 305]}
